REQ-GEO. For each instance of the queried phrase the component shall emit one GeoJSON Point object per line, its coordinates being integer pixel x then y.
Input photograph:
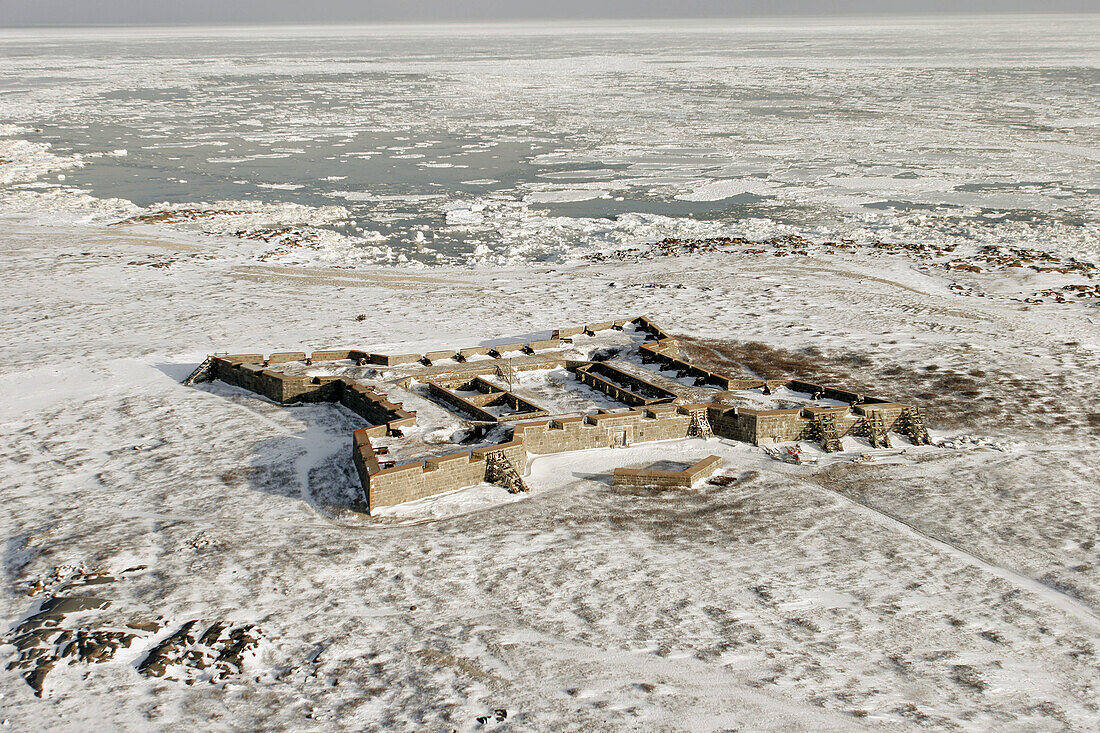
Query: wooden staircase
{"type": "Point", "coordinates": [825, 432]}
{"type": "Point", "coordinates": [876, 432]}
{"type": "Point", "coordinates": [700, 425]}
{"type": "Point", "coordinates": [911, 425]}
{"type": "Point", "coordinates": [203, 373]}
{"type": "Point", "coordinates": [500, 471]}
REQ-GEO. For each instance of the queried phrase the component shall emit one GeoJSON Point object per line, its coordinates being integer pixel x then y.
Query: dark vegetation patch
{"type": "Point", "coordinates": [966, 676]}
{"type": "Point", "coordinates": [990, 398]}
{"type": "Point", "coordinates": [976, 259]}
{"type": "Point", "coordinates": [285, 238]}
{"type": "Point", "coordinates": [177, 216]}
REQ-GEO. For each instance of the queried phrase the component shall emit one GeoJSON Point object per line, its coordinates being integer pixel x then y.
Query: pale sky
{"type": "Point", "coordinates": [113, 12]}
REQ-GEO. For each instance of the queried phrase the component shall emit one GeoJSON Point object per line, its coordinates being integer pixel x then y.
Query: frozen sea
{"type": "Point", "coordinates": [461, 144]}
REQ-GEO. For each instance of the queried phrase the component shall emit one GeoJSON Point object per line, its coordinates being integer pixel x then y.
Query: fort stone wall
{"type": "Point", "coordinates": [667, 353]}
{"type": "Point", "coordinates": [386, 484]}
{"type": "Point", "coordinates": [888, 412]}
{"type": "Point", "coordinates": [412, 481]}
{"type": "Point", "coordinates": [612, 429]}
{"type": "Point", "coordinates": [757, 426]}
{"type": "Point", "coordinates": [372, 406]}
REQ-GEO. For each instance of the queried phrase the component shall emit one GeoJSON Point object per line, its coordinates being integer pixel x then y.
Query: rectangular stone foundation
{"type": "Point", "coordinates": [666, 479]}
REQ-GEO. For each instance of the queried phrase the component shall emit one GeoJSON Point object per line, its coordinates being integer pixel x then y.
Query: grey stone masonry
{"type": "Point", "coordinates": [455, 377]}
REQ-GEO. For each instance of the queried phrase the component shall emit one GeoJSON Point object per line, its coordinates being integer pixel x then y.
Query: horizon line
{"type": "Point", "coordinates": [553, 20]}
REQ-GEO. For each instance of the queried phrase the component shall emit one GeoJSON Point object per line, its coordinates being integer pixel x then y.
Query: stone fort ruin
{"type": "Point", "coordinates": [610, 384]}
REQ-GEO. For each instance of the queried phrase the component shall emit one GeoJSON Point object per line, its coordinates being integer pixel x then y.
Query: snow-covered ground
{"type": "Point", "coordinates": [179, 558]}
{"type": "Point", "coordinates": [958, 588]}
